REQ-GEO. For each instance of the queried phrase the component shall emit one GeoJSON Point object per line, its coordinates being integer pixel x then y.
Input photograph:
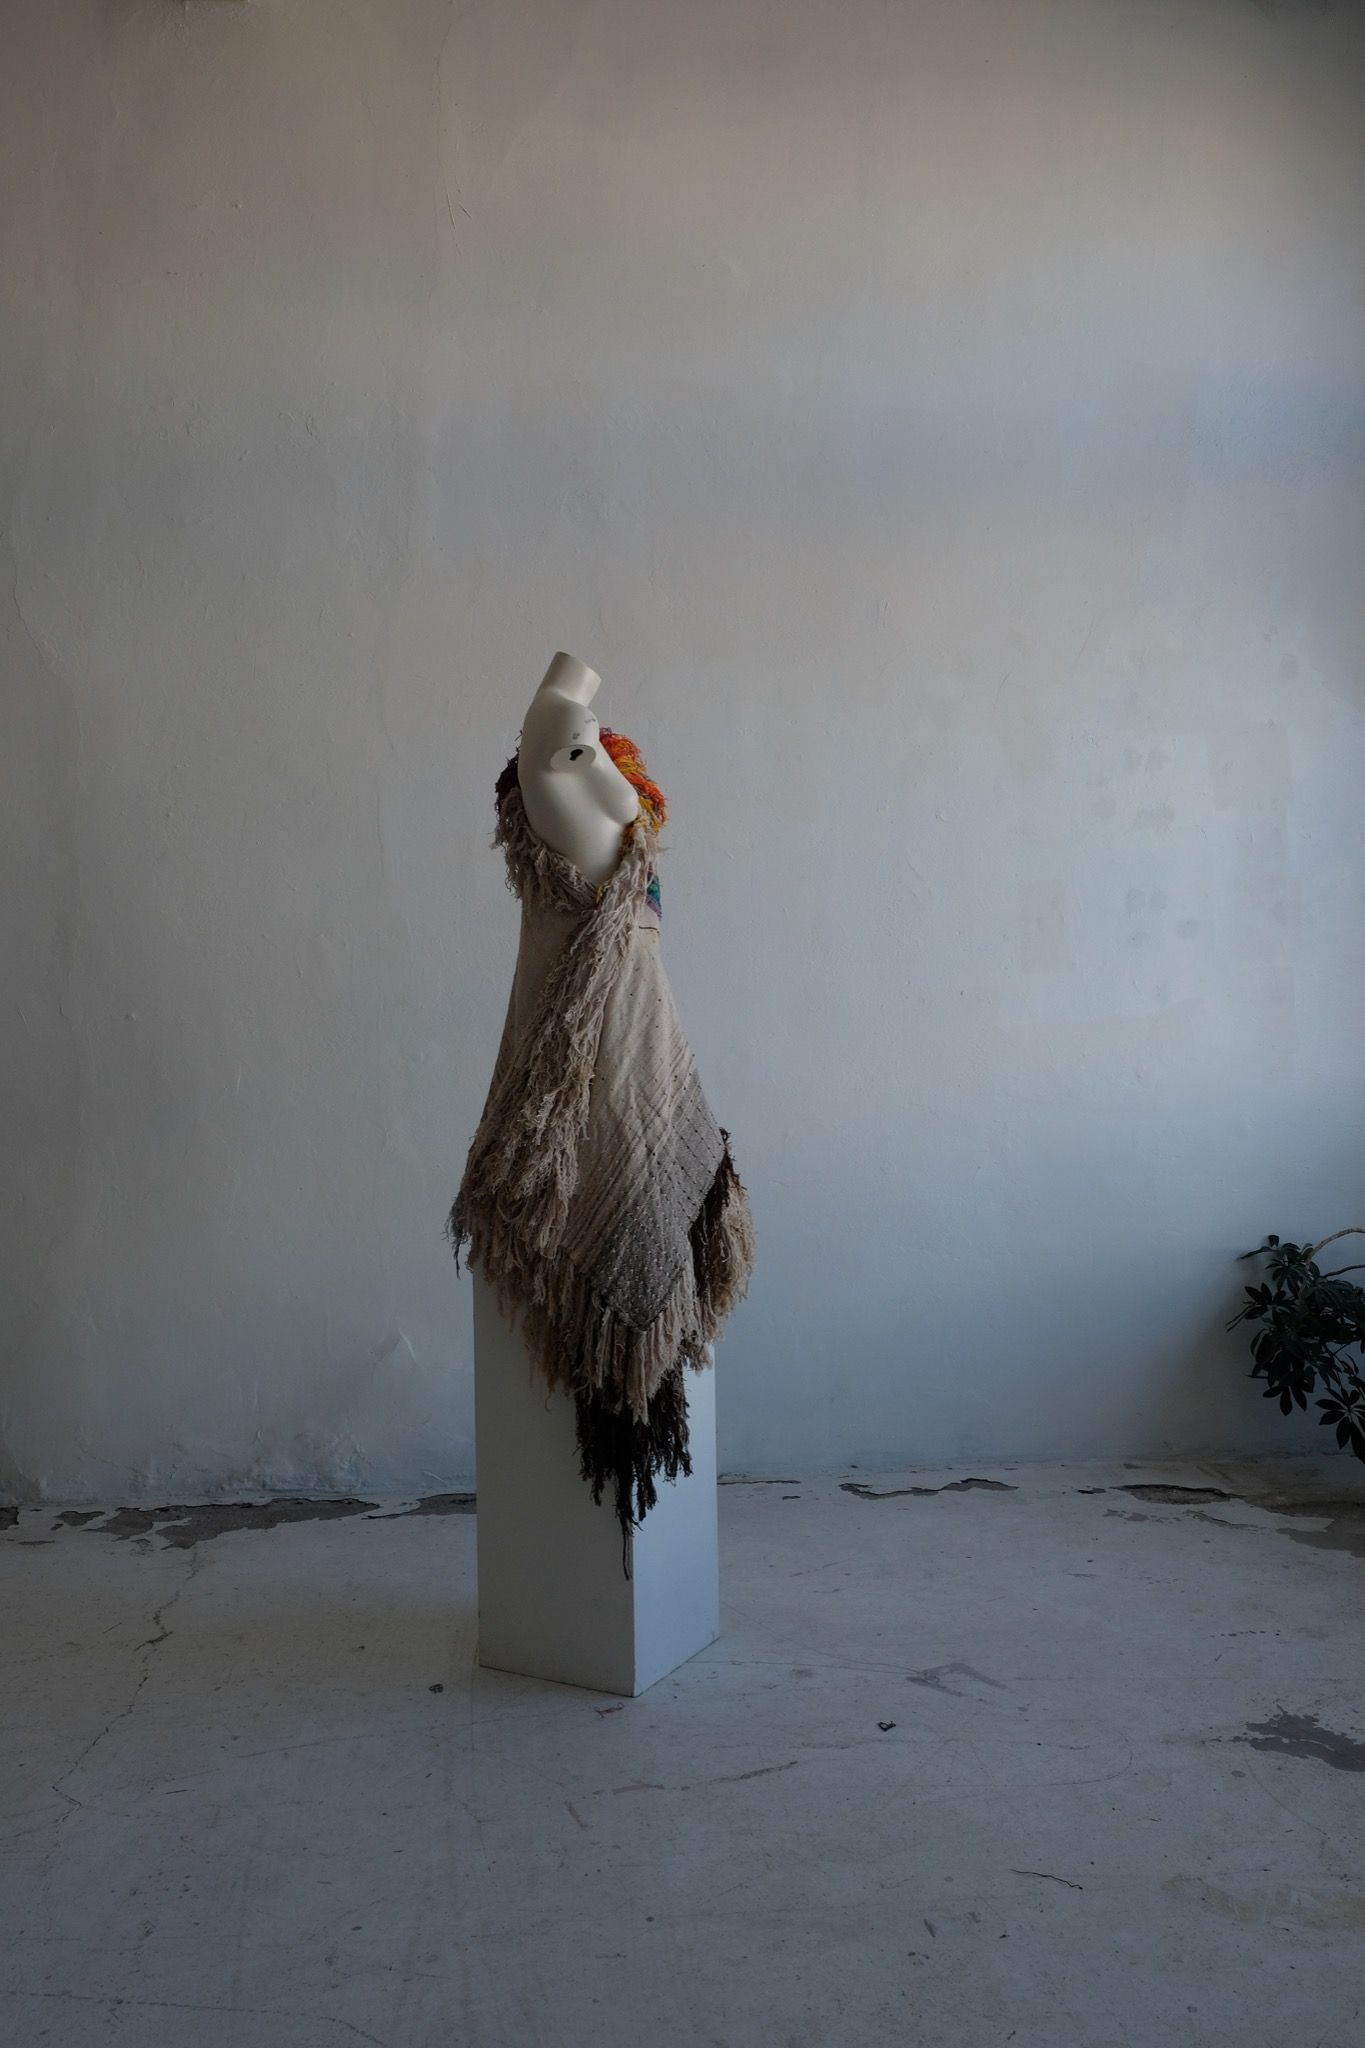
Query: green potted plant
{"type": "Point", "coordinates": [1312, 1328]}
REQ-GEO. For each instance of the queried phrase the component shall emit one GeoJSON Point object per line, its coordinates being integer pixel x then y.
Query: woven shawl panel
{"type": "Point", "coordinates": [600, 1198]}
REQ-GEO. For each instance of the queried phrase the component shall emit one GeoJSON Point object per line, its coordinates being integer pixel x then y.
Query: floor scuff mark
{"type": "Point", "coordinates": [1052, 1877]}
{"type": "Point", "coordinates": [1328, 1912]}
{"type": "Point", "coordinates": [933, 1678]}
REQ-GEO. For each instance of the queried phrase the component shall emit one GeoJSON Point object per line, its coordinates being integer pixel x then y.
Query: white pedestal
{"type": "Point", "coordinates": [554, 1601]}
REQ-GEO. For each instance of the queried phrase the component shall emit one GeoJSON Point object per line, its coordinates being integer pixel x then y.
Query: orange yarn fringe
{"type": "Point", "coordinates": [631, 763]}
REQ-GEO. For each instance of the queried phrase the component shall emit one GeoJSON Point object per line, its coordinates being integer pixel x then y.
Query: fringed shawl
{"type": "Point", "coordinates": [599, 1198]}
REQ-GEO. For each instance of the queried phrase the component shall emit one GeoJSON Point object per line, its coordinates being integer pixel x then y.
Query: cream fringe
{"type": "Point", "coordinates": [580, 1344]}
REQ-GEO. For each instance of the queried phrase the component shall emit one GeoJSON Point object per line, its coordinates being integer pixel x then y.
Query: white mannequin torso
{"type": "Point", "coordinates": [577, 800]}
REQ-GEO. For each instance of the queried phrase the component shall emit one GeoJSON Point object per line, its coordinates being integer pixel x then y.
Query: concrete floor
{"type": "Point", "coordinates": [1055, 1760]}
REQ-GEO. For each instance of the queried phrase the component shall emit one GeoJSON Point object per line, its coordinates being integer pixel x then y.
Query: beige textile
{"type": "Point", "coordinates": [599, 1196]}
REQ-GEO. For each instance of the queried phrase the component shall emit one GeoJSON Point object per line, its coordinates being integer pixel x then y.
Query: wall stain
{"type": "Point", "coordinates": [1273, 10]}
{"type": "Point", "coordinates": [1304, 1736]}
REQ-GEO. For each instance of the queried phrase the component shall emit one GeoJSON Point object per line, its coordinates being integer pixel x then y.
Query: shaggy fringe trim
{"type": "Point", "coordinates": [620, 1451]}
{"type": "Point", "coordinates": [626, 1382]}
{"type": "Point", "coordinates": [580, 1344]}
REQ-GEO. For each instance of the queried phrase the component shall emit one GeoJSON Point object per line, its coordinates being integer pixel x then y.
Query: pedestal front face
{"type": "Point", "coordinates": [554, 1601]}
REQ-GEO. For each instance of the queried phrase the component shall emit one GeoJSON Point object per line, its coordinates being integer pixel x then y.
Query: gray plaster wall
{"type": "Point", "coordinates": [943, 425]}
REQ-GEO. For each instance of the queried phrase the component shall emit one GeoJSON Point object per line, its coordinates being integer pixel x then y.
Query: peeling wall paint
{"type": "Point", "coordinates": [943, 427]}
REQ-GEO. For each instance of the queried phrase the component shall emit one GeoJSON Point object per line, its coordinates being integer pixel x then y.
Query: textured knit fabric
{"type": "Point", "coordinates": [599, 1197]}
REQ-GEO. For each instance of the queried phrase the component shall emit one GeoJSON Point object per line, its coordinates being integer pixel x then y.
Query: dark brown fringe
{"type": "Point", "coordinates": [717, 1283]}
{"type": "Point", "coordinates": [616, 1449]}
{"type": "Point", "coordinates": [581, 1345]}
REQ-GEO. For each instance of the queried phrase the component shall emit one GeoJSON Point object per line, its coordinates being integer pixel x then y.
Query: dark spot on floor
{"type": "Point", "coordinates": [1278, 1505]}
{"type": "Point", "coordinates": [182, 1527]}
{"type": "Point", "coordinates": [1219, 1522]}
{"type": "Point", "coordinates": [8, 1517]}
{"type": "Point", "coordinates": [1345, 1519]}
{"type": "Point", "coordinates": [1302, 1735]}
{"type": "Point", "coordinates": [1178, 1496]}
{"type": "Point", "coordinates": [744, 1479]}
{"type": "Point", "coordinates": [443, 1504]}
{"type": "Point", "coordinates": [899, 1492]}
{"type": "Point", "coordinates": [1345, 1525]}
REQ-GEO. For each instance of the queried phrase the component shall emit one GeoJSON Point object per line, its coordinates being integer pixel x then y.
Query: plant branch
{"type": "Point", "coordinates": [1351, 1230]}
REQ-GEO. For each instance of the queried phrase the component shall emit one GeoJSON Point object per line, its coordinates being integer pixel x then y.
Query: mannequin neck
{"type": "Point", "coordinates": [576, 798]}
